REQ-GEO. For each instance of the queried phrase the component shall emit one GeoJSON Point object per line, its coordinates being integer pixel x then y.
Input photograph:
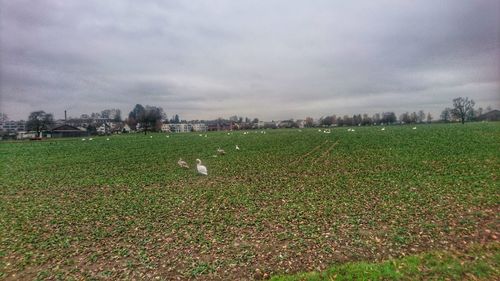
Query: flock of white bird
{"type": "Point", "coordinates": [202, 170]}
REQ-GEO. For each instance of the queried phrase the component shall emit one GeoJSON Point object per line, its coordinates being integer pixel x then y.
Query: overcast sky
{"type": "Point", "coordinates": [266, 59]}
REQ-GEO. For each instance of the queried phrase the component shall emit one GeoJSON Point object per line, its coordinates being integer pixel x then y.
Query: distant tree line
{"type": "Point", "coordinates": [150, 118]}
{"type": "Point", "coordinates": [462, 110]}
{"type": "Point", "coordinates": [355, 120]}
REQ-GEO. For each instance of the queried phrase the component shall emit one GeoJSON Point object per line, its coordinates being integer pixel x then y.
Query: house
{"type": "Point", "coordinates": [165, 128]}
{"type": "Point", "coordinates": [220, 125]}
{"type": "Point", "coordinates": [67, 131]}
{"type": "Point", "coordinates": [270, 125]}
{"type": "Point", "coordinates": [286, 124]}
{"type": "Point", "coordinates": [105, 128]}
{"type": "Point", "coordinates": [199, 127]}
{"type": "Point", "coordinates": [126, 129]}
{"type": "Point", "coordinates": [301, 123]}
{"type": "Point", "coordinates": [22, 135]}
{"type": "Point", "coordinates": [493, 115]}
{"type": "Point", "coordinates": [180, 128]}
{"type": "Point", "coordinates": [12, 126]}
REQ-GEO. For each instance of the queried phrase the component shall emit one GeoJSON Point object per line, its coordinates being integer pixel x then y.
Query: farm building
{"type": "Point", "coordinates": [67, 131]}
{"type": "Point", "coordinates": [220, 125]}
{"type": "Point", "coordinates": [22, 135]}
{"type": "Point", "coordinates": [493, 115]}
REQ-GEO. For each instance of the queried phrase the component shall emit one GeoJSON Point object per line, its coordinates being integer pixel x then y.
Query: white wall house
{"type": "Point", "coordinates": [126, 128]}
{"type": "Point", "coordinates": [25, 135]}
{"type": "Point", "coordinates": [184, 128]}
{"type": "Point", "coordinates": [165, 128]}
{"type": "Point", "coordinates": [12, 126]}
{"type": "Point", "coordinates": [180, 128]}
{"type": "Point", "coordinates": [199, 127]}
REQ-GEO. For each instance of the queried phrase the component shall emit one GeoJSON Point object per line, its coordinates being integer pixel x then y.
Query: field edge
{"type": "Point", "coordinates": [477, 262]}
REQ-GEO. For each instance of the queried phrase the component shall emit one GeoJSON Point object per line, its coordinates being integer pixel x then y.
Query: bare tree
{"type": "Point", "coordinates": [134, 116]}
{"type": "Point", "coordinates": [366, 120]}
{"type": "Point", "coordinates": [429, 117]}
{"type": "Point", "coordinates": [39, 120]}
{"type": "Point", "coordinates": [376, 118]}
{"type": "Point", "coordinates": [388, 118]}
{"type": "Point", "coordinates": [421, 116]}
{"type": "Point", "coordinates": [326, 121]}
{"type": "Point", "coordinates": [463, 109]}
{"type": "Point", "coordinates": [413, 117]}
{"type": "Point", "coordinates": [446, 114]}
{"type": "Point", "coordinates": [405, 117]}
{"type": "Point", "coordinates": [309, 122]}
{"type": "Point", "coordinates": [151, 118]}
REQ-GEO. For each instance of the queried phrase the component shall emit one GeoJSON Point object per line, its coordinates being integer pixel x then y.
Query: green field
{"type": "Point", "coordinates": [289, 201]}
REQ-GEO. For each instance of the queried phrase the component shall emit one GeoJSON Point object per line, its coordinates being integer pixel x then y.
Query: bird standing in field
{"type": "Point", "coordinates": [414, 128]}
{"type": "Point", "coordinates": [237, 147]}
{"type": "Point", "coordinates": [202, 170]}
{"type": "Point", "coordinates": [220, 151]}
{"type": "Point", "coordinates": [182, 163]}
{"type": "Point", "coordinates": [383, 129]}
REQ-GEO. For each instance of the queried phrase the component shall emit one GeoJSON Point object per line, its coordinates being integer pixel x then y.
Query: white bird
{"type": "Point", "coordinates": [205, 135]}
{"type": "Point", "coordinates": [151, 137]}
{"type": "Point", "coordinates": [414, 128]}
{"type": "Point", "coordinates": [228, 134]}
{"type": "Point", "coordinates": [352, 130]}
{"type": "Point", "coordinates": [349, 129]}
{"type": "Point", "coordinates": [319, 130]}
{"type": "Point", "coordinates": [220, 151]}
{"type": "Point", "coordinates": [383, 129]}
{"type": "Point", "coordinates": [202, 170]}
{"type": "Point", "coordinates": [107, 139]}
{"type": "Point", "coordinates": [83, 139]}
{"type": "Point", "coordinates": [237, 147]}
{"type": "Point", "coordinates": [201, 135]}
{"type": "Point", "coordinates": [182, 163]}
{"type": "Point", "coordinates": [168, 136]}
{"type": "Point", "coordinates": [91, 139]}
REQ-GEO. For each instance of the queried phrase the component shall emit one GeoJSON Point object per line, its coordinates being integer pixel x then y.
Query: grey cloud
{"type": "Point", "coordinates": [270, 59]}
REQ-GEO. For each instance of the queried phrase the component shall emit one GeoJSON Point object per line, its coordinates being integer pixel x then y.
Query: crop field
{"type": "Point", "coordinates": [288, 201]}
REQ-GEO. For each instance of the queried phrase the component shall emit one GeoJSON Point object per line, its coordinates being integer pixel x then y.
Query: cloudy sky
{"type": "Point", "coordinates": [267, 59]}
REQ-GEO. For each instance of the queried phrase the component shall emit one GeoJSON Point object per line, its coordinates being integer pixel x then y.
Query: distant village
{"type": "Point", "coordinates": [109, 122]}
{"type": "Point", "coordinates": [152, 119]}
